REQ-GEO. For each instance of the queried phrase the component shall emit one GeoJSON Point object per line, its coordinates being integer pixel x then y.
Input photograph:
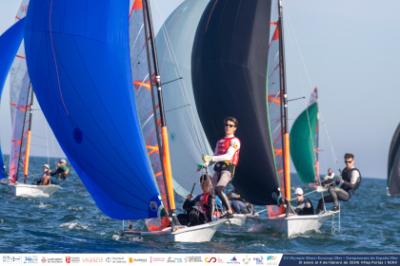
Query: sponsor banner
{"type": "Point", "coordinates": [140, 259]}
{"type": "Point", "coordinates": [363, 259]}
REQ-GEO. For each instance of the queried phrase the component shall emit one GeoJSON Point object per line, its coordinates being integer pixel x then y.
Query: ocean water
{"type": "Point", "coordinates": [69, 221]}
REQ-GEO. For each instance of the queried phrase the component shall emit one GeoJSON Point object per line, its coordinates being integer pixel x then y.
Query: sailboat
{"type": "Point", "coordinates": [241, 72]}
{"type": "Point", "coordinates": [21, 102]}
{"type": "Point", "coordinates": [174, 47]}
{"type": "Point", "coordinates": [80, 65]}
{"type": "Point", "coordinates": [9, 43]}
{"type": "Point", "coordinates": [304, 150]}
{"type": "Point", "coordinates": [393, 175]}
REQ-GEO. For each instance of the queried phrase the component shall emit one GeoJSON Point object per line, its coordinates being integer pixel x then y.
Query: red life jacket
{"type": "Point", "coordinates": [203, 202]}
{"type": "Point", "coordinates": [223, 146]}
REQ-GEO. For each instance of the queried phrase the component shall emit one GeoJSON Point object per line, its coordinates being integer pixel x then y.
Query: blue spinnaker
{"type": "Point", "coordinates": [79, 63]}
{"type": "Point", "coordinates": [9, 43]}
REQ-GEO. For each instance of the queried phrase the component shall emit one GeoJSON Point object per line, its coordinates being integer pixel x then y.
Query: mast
{"type": "Point", "coordinates": [28, 138]}
{"type": "Point", "coordinates": [284, 106]}
{"type": "Point", "coordinates": [156, 80]}
{"type": "Point", "coordinates": [30, 93]}
{"type": "Point", "coordinates": [317, 142]}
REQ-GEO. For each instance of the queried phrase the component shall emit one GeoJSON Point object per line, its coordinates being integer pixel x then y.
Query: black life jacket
{"type": "Point", "coordinates": [346, 175]}
{"type": "Point", "coordinates": [303, 210]}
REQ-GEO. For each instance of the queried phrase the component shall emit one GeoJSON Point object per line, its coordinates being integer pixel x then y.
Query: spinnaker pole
{"type": "Point", "coordinates": [156, 80]}
{"type": "Point", "coordinates": [284, 108]}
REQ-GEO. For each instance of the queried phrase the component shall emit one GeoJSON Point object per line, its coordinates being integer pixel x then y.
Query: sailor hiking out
{"type": "Point", "coordinates": [342, 188]}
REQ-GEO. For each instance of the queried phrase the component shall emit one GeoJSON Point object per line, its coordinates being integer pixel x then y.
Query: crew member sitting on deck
{"type": "Point", "coordinates": [304, 205]}
{"type": "Point", "coordinates": [46, 178]}
{"type": "Point", "coordinates": [201, 209]}
{"type": "Point", "coordinates": [226, 159]}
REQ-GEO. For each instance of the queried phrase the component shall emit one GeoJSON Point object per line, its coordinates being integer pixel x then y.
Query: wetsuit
{"type": "Point", "coordinates": [304, 207]}
{"type": "Point", "coordinates": [351, 179]}
{"type": "Point", "coordinates": [226, 158]}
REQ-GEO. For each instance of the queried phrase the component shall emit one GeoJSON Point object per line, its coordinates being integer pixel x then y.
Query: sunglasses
{"type": "Point", "coordinates": [229, 125]}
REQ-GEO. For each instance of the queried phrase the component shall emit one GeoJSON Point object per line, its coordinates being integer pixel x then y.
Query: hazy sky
{"type": "Point", "coordinates": [348, 48]}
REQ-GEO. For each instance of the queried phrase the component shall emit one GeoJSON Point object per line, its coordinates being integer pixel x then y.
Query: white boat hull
{"type": "Point", "coordinates": [294, 225]}
{"type": "Point", "coordinates": [240, 219]}
{"type": "Point", "coordinates": [192, 234]}
{"type": "Point", "coordinates": [35, 191]}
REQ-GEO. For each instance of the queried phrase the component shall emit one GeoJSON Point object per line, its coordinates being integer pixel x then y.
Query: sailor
{"type": "Point", "coordinates": [201, 209]}
{"type": "Point", "coordinates": [345, 186]}
{"type": "Point", "coordinates": [61, 171]}
{"type": "Point", "coordinates": [304, 205]}
{"type": "Point", "coordinates": [226, 158]}
{"type": "Point", "coordinates": [329, 179]}
{"type": "Point", "coordinates": [239, 204]}
{"type": "Point", "coordinates": [46, 178]}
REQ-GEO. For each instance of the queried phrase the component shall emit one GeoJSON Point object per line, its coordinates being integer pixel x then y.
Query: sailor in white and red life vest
{"type": "Point", "coordinates": [226, 158]}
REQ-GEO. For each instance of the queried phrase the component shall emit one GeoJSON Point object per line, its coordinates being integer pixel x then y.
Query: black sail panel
{"type": "Point", "coordinates": [393, 181]}
{"type": "Point", "coordinates": [229, 58]}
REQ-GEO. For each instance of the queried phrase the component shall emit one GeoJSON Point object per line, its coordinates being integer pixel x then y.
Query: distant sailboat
{"type": "Point", "coordinates": [21, 102]}
{"type": "Point", "coordinates": [393, 175]}
{"type": "Point", "coordinates": [80, 64]}
{"type": "Point", "coordinates": [9, 44]}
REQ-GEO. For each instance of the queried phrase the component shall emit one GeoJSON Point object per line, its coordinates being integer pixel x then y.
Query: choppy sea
{"type": "Point", "coordinates": [70, 222]}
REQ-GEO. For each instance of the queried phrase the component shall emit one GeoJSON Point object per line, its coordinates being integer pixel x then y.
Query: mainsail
{"type": "Point", "coordinates": [144, 95]}
{"type": "Point", "coordinates": [274, 97]}
{"type": "Point", "coordinates": [393, 179]}
{"type": "Point", "coordinates": [79, 62]}
{"type": "Point", "coordinates": [304, 142]}
{"type": "Point", "coordinates": [9, 44]}
{"type": "Point", "coordinates": [229, 70]}
{"type": "Point", "coordinates": [187, 138]}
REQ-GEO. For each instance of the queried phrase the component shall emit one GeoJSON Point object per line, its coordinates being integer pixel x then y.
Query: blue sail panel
{"type": "Point", "coordinates": [9, 43]}
{"type": "Point", "coordinates": [2, 171]}
{"type": "Point", "coordinates": [79, 63]}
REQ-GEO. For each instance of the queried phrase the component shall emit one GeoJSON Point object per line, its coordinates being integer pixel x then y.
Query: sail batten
{"type": "Point", "coordinates": [78, 60]}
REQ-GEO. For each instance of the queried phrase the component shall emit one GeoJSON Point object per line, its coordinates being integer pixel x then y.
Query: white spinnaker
{"type": "Point", "coordinates": [187, 138]}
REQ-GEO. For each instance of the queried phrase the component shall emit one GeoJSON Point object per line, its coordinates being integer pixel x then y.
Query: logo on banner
{"type": "Point", "coordinates": [174, 260]}
{"type": "Point", "coordinates": [246, 260]}
{"type": "Point", "coordinates": [259, 260]}
{"type": "Point", "coordinates": [157, 259]}
{"type": "Point", "coordinates": [210, 259]}
{"type": "Point", "coordinates": [271, 260]}
{"type": "Point", "coordinates": [12, 259]}
{"type": "Point", "coordinates": [92, 259]}
{"type": "Point", "coordinates": [140, 260]}
{"type": "Point", "coordinates": [30, 259]}
{"type": "Point", "coordinates": [191, 259]}
{"type": "Point", "coordinates": [234, 260]}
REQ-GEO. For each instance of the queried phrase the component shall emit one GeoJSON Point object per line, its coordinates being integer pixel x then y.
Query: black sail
{"type": "Point", "coordinates": [229, 70]}
{"type": "Point", "coordinates": [393, 181]}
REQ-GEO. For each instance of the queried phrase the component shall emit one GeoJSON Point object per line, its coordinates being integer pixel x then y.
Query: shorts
{"type": "Point", "coordinates": [222, 179]}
